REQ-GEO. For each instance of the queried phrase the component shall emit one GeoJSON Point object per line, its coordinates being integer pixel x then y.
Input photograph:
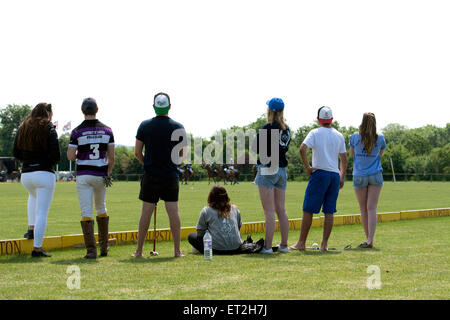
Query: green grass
{"type": "Point", "coordinates": [411, 254]}
{"type": "Point", "coordinates": [124, 206]}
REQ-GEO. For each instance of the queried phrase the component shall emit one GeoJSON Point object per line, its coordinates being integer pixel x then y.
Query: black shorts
{"type": "Point", "coordinates": [154, 188]}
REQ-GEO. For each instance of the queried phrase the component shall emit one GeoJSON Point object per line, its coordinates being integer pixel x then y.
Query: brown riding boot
{"type": "Point", "coordinates": [102, 223]}
{"type": "Point", "coordinates": [89, 239]}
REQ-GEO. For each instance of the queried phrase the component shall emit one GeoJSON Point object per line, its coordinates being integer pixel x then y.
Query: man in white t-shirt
{"type": "Point", "coordinates": [325, 177]}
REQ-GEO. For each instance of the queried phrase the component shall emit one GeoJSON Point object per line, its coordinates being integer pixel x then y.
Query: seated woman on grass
{"type": "Point", "coordinates": [223, 221]}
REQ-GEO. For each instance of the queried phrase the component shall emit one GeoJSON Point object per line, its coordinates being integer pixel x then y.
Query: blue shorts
{"type": "Point", "coordinates": [277, 180]}
{"type": "Point", "coordinates": [362, 182]}
{"type": "Point", "coordinates": [322, 192]}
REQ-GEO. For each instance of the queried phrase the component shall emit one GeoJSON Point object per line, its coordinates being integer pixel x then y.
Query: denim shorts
{"type": "Point", "coordinates": [362, 182]}
{"type": "Point", "coordinates": [277, 180]}
{"type": "Point", "coordinates": [322, 192]}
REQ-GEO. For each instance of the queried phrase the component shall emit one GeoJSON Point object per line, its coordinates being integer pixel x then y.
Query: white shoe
{"type": "Point", "coordinates": [283, 250]}
{"type": "Point", "coordinates": [264, 250]}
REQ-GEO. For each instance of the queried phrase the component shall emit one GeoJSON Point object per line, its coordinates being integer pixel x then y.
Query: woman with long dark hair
{"type": "Point", "coordinates": [36, 146]}
{"type": "Point", "coordinates": [223, 221]}
{"type": "Point", "coordinates": [366, 147]}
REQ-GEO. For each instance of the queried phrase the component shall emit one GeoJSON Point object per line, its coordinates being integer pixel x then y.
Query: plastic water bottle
{"type": "Point", "coordinates": [207, 246]}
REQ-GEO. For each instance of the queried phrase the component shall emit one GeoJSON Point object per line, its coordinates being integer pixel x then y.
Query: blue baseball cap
{"type": "Point", "coordinates": [275, 104]}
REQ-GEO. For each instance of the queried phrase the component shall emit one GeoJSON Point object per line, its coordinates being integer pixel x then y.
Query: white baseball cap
{"type": "Point", "coordinates": [325, 115]}
{"type": "Point", "coordinates": [161, 103]}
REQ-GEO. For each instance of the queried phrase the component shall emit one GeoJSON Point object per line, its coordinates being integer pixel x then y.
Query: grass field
{"type": "Point", "coordinates": [124, 207]}
{"type": "Point", "coordinates": [412, 256]}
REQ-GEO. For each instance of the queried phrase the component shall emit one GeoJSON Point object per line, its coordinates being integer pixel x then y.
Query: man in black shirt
{"type": "Point", "coordinates": [163, 140]}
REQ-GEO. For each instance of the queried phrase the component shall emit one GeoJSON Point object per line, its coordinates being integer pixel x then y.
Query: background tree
{"type": "Point", "coordinates": [440, 159]}
{"type": "Point", "coordinates": [394, 132]}
{"type": "Point", "coordinates": [419, 151]}
{"type": "Point", "coordinates": [125, 162]}
{"type": "Point", "coordinates": [399, 154]}
{"type": "Point", "coordinates": [417, 144]}
{"type": "Point", "coordinates": [10, 119]}
{"type": "Point", "coordinates": [63, 164]}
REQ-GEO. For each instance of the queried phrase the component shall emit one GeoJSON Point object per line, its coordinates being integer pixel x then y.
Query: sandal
{"type": "Point", "coordinates": [135, 255]}
{"type": "Point", "coordinates": [365, 245]}
{"type": "Point", "coordinates": [293, 247]}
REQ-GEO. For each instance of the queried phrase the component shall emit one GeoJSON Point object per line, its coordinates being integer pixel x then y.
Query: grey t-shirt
{"type": "Point", "coordinates": [225, 232]}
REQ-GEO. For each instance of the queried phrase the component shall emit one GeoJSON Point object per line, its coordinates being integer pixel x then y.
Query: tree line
{"type": "Point", "coordinates": [418, 151]}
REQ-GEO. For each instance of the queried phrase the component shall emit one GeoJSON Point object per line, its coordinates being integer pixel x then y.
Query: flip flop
{"type": "Point", "coordinates": [318, 249]}
{"type": "Point", "coordinates": [295, 248]}
{"type": "Point", "coordinates": [311, 249]}
{"type": "Point", "coordinates": [134, 255]}
{"type": "Point", "coordinates": [365, 245]}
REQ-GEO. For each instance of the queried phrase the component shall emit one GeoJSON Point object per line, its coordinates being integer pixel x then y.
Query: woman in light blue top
{"type": "Point", "coordinates": [366, 148]}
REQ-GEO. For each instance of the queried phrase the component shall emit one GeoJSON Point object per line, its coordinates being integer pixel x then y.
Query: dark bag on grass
{"type": "Point", "coordinates": [248, 246]}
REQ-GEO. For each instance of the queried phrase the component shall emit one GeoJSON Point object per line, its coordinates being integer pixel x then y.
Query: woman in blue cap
{"type": "Point", "coordinates": [271, 177]}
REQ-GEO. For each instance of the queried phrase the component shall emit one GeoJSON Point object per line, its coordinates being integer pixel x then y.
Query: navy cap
{"type": "Point", "coordinates": [275, 104]}
{"type": "Point", "coordinates": [89, 106]}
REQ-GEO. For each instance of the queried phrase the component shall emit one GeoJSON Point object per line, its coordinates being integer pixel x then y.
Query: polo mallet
{"type": "Point", "coordinates": [153, 252]}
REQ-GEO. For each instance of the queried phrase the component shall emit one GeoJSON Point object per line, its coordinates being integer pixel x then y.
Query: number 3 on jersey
{"type": "Point", "coordinates": [95, 153]}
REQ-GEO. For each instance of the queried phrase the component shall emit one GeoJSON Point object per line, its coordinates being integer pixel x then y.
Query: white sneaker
{"type": "Point", "coordinates": [264, 250]}
{"type": "Point", "coordinates": [283, 250]}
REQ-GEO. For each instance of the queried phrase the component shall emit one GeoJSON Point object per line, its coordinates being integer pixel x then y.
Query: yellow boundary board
{"type": "Point", "coordinates": [24, 246]}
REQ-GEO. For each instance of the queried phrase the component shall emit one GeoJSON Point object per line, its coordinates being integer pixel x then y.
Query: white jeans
{"type": "Point", "coordinates": [88, 188]}
{"type": "Point", "coordinates": [41, 187]}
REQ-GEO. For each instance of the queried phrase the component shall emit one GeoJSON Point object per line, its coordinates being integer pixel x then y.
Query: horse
{"type": "Point", "coordinates": [187, 175]}
{"type": "Point", "coordinates": [212, 173]}
{"type": "Point", "coordinates": [15, 176]}
{"type": "Point", "coordinates": [233, 175]}
{"type": "Point", "coordinates": [221, 173]}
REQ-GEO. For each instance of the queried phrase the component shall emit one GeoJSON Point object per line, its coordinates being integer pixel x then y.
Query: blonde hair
{"type": "Point", "coordinates": [368, 131]}
{"type": "Point", "coordinates": [276, 117]}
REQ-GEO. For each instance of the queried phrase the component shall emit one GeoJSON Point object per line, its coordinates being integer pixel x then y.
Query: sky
{"type": "Point", "coordinates": [220, 61]}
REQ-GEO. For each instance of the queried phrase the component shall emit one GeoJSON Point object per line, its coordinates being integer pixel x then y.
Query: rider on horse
{"type": "Point", "coordinates": [180, 171]}
{"type": "Point", "coordinates": [189, 168]}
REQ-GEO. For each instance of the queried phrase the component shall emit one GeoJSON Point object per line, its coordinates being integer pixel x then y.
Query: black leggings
{"type": "Point", "coordinates": [197, 242]}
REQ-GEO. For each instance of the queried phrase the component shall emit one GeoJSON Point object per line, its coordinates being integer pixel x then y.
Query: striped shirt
{"type": "Point", "coordinates": [91, 139]}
